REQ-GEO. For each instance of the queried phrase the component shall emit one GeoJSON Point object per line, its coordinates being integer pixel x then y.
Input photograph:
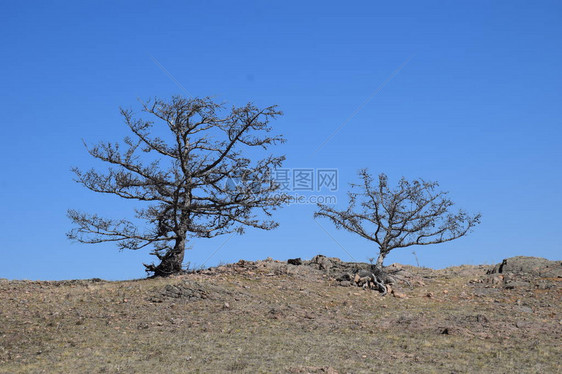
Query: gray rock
{"type": "Point", "coordinates": [324, 263]}
{"type": "Point", "coordinates": [522, 324]}
{"type": "Point", "coordinates": [524, 309]}
{"type": "Point", "coordinates": [516, 284]}
{"type": "Point", "coordinates": [345, 277]}
{"type": "Point", "coordinates": [493, 279]}
{"type": "Point", "coordinates": [536, 266]}
{"type": "Point", "coordinates": [364, 273]}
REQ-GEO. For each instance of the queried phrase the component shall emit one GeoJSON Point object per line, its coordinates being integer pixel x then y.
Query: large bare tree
{"type": "Point", "coordinates": [413, 213]}
{"type": "Point", "coordinates": [197, 168]}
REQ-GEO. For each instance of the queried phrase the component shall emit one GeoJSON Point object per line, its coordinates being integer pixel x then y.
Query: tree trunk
{"type": "Point", "coordinates": [380, 260]}
{"type": "Point", "coordinates": [172, 261]}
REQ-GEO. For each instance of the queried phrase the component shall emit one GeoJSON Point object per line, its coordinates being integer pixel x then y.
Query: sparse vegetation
{"type": "Point", "coordinates": [272, 317]}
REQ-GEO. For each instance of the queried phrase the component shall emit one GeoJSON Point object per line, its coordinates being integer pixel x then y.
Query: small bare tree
{"type": "Point", "coordinates": [414, 213]}
{"type": "Point", "coordinates": [192, 171]}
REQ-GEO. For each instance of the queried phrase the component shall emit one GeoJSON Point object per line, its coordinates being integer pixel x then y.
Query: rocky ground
{"type": "Point", "coordinates": [305, 317]}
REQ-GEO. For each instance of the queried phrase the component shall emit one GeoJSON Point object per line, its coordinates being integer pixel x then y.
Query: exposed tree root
{"type": "Point", "coordinates": [378, 279]}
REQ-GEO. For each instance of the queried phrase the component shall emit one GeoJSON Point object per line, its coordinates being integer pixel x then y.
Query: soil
{"type": "Point", "coordinates": [306, 317]}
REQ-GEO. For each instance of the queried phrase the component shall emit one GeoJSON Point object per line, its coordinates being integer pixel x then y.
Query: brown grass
{"type": "Point", "coordinates": [262, 320]}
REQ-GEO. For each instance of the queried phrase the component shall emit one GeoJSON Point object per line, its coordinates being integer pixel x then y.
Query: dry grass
{"type": "Point", "coordinates": [273, 318]}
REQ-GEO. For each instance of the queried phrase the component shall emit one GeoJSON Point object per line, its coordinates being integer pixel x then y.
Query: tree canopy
{"type": "Point", "coordinates": [180, 163]}
{"type": "Point", "coordinates": [412, 213]}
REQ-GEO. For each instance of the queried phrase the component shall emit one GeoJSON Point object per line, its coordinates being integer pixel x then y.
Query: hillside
{"type": "Point", "coordinates": [269, 316]}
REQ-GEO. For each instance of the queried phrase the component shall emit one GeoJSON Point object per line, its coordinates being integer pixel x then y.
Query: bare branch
{"type": "Point", "coordinates": [180, 162]}
{"type": "Point", "coordinates": [412, 214]}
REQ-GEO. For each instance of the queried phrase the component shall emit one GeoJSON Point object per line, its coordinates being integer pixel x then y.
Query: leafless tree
{"type": "Point", "coordinates": [413, 213]}
{"type": "Point", "coordinates": [189, 164]}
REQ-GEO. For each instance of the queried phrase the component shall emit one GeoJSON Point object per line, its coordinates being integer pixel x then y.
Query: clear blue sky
{"type": "Point", "coordinates": [477, 107]}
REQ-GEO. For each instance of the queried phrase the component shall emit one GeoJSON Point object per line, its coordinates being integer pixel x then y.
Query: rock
{"type": "Point", "coordinates": [322, 261]}
{"type": "Point", "coordinates": [295, 261]}
{"type": "Point", "coordinates": [536, 266]}
{"type": "Point", "coordinates": [364, 273]}
{"type": "Point", "coordinates": [399, 295]}
{"type": "Point", "coordinates": [495, 279]}
{"type": "Point", "coordinates": [486, 292]}
{"type": "Point", "coordinates": [474, 318]}
{"type": "Point", "coordinates": [275, 313]}
{"type": "Point", "coordinates": [363, 281]}
{"type": "Point", "coordinates": [345, 277]}
{"type": "Point", "coordinates": [542, 285]}
{"type": "Point", "coordinates": [525, 309]}
{"type": "Point", "coordinates": [388, 288]}
{"type": "Point", "coordinates": [516, 284]}
{"type": "Point", "coordinates": [481, 318]}
{"type": "Point", "coordinates": [326, 264]}
{"type": "Point", "coordinates": [455, 330]}
{"type": "Point", "coordinates": [242, 263]}
{"type": "Point", "coordinates": [226, 305]}
{"type": "Point", "coordinates": [345, 283]}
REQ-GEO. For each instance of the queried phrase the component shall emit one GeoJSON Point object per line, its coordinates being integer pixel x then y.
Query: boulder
{"type": "Point", "coordinates": [535, 266]}
{"type": "Point", "coordinates": [345, 277]}
{"type": "Point", "coordinates": [324, 263]}
{"type": "Point", "coordinates": [295, 261]}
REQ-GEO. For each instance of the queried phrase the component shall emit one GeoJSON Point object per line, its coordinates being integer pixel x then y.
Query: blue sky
{"type": "Point", "coordinates": [465, 93]}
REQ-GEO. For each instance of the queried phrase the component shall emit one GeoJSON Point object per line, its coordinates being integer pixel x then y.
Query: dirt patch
{"type": "Point", "coordinates": [188, 290]}
{"type": "Point", "coordinates": [313, 370]}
